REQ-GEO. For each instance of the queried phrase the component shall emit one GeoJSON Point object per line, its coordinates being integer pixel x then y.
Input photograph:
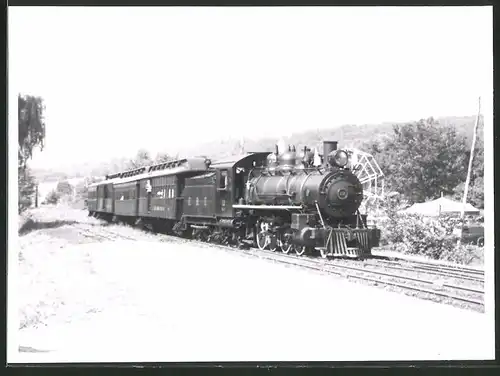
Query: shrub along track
{"type": "Point", "coordinates": [458, 286]}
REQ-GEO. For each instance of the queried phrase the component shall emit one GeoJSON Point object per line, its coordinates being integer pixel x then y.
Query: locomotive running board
{"type": "Point", "coordinates": [268, 207]}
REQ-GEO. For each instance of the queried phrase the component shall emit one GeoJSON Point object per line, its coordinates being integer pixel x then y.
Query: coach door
{"type": "Point", "coordinates": [102, 197]}
{"type": "Point", "coordinates": [224, 192]}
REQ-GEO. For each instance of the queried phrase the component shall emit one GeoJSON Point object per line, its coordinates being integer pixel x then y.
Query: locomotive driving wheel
{"type": "Point", "coordinates": [285, 241]}
{"type": "Point", "coordinates": [262, 240]}
{"type": "Point", "coordinates": [301, 249]}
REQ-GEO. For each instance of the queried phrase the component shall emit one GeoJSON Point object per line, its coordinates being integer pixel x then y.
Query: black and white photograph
{"type": "Point", "coordinates": [250, 184]}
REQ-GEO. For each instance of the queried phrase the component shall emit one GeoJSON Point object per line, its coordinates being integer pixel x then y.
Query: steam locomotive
{"type": "Point", "coordinates": [270, 200]}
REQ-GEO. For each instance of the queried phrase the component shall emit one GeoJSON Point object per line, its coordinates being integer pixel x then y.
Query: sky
{"type": "Point", "coordinates": [118, 79]}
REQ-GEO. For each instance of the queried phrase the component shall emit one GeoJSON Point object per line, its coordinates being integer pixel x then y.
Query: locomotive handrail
{"type": "Point", "coordinates": [275, 195]}
{"type": "Point", "coordinates": [287, 185]}
{"type": "Point", "coordinates": [320, 216]}
{"type": "Point", "coordinates": [360, 217]}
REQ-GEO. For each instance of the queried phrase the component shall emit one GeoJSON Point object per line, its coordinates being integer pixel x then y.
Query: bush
{"type": "Point", "coordinates": [426, 236]}
{"type": "Point", "coordinates": [64, 188]}
{"type": "Point", "coordinates": [52, 198]}
{"type": "Point", "coordinates": [464, 254]}
{"type": "Point", "coordinates": [26, 189]}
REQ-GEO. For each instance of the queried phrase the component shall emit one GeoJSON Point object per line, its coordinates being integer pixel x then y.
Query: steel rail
{"type": "Point", "coordinates": [331, 269]}
{"type": "Point", "coordinates": [446, 267]}
{"type": "Point", "coordinates": [433, 272]}
{"type": "Point", "coordinates": [364, 270]}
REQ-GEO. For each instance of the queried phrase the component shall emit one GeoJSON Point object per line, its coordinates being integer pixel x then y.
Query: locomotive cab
{"type": "Point", "coordinates": [231, 180]}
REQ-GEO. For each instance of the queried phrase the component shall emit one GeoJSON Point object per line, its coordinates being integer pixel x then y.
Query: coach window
{"type": "Point", "coordinates": [223, 179]}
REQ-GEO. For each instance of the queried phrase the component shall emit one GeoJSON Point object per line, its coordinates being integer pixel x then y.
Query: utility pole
{"type": "Point", "coordinates": [469, 171]}
{"type": "Point", "coordinates": [36, 195]}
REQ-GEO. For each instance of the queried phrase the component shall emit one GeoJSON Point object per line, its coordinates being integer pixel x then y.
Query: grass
{"type": "Point", "coordinates": [54, 281]}
{"type": "Point", "coordinates": [61, 274]}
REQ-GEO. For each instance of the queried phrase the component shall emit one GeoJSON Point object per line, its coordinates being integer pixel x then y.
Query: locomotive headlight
{"type": "Point", "coordinates": [340, 158]}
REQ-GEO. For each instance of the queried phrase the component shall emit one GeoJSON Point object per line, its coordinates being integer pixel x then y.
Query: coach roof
{"type": "Point", "coordinates": [231, 161]}
{"type": "Point", "coordinates": [161, 169]}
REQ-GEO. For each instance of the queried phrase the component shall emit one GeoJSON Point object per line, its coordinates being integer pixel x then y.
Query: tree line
{"type": "Point", "coordinates": [420, 160]}
{"type": "Point", "coordinates": [424, 160]}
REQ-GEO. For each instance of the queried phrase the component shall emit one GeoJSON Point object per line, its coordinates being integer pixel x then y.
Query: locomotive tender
{"type": "Point", "coordinates": [269, 200]}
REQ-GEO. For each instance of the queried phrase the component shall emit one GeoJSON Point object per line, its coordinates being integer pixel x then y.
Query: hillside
{"type": "Point", "coordinates": [347, 135]}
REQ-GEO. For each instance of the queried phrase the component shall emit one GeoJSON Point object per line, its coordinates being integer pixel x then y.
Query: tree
{"type": "Point", "coordinates": [64, 188]}
{"type": "Point", "coordinates": [142, 158]}
{"type": "Point", "coordinates": [422, 160]}
{"type": "Point", "coordinates": [475, 194]}
{"type": "Point", "coordinates": [31, 126]}
{"type": "Point", "coordinates": [82, 187]}
{"type": "Point", "coordinates": [162, 157]}
{"type": "Point", "coordinates": [52, 198]}
{"type": "Point", "coordinates": [31, 134]}
{"type": "Point", "coordinates": [26, 189]}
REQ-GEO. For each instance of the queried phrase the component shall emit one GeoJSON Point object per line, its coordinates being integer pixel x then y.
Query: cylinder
{"type": "Point", "coordinates": [328, 147]}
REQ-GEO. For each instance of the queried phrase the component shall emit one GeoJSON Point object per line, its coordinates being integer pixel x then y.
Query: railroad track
{"type": "Point", "coordinates": [449, 268]}
{"type": "Point", "coordinates": [475, 275]}
{"type": "Point", "coordinates": [371, 271]}
{"type": "Point", "coordinates": [473, 296]}
{"type": "Point", "coordinates": [436, 290]}
{"type": "Point", "coordinates": [104, 235]}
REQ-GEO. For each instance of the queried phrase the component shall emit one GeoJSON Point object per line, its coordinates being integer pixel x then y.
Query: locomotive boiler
{"type": "Point", "coordinates": [337, 192]}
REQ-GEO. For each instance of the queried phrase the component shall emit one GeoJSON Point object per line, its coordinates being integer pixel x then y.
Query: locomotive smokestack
{"type": "Point", "coordinates": [328, 147]}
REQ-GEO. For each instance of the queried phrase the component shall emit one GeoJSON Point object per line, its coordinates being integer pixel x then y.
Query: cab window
{"type": "Point", "coordinates": [223, 179]}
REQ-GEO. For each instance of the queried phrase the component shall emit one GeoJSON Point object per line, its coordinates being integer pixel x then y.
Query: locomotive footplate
{"type": "Point", "coordinates": [352, 242]}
